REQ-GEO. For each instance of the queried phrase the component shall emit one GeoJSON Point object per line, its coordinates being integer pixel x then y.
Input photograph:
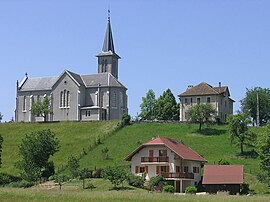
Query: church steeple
{"type": "Point", "coordinates": [108, 40]}
{"type": "Point", "coordinates": [108, 59]}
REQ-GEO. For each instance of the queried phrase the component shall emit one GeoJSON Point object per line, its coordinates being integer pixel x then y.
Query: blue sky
{"type": "Point", "coordinates": [163, 44]}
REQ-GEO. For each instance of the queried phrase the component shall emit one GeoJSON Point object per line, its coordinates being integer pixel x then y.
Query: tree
{"type": "Point", "coordinates": [249, 104]}
{"type": "Point", "coordinates": [167, 107]}
{"type": "Point", "coordinates": [125, 120]}
{"type": "Point", "coordinates": [1, 142]}
{"type": "Point", "coordinates": [84, 173]}
{"type": "Point", "coordinates": [238, 129]}
{"type": "Point", "coordinates": [42, 108]}
{"type": "Point", "coordinates": [115, 174]}
{"type": "Point", "coordinates": [73, 166]}
{"type": "Point", "coordinates": [35, 151]}
{"type": "Point", "coordinates": [1, 117]}
{"type": "Point", "coordinates": [104, 152]}
{"type": "Point", "coordinates": [201, 113]}
{"type": "Point", "coordinates": [148, 106]}
{"type": "Point", "coordinates": [263, 150]}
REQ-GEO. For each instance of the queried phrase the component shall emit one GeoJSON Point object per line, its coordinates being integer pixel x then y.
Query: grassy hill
{"type": "Point", "coordinates": [75, 137]}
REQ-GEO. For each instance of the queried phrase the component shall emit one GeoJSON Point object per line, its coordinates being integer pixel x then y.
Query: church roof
{"type": "Point", "coordinates": [89, 80]}
{"type": "Point", "coordinates": [204, 89]}
{"type": "Point", "coordinates": [108, 40]}
{"type": "Point", "coordinates": [43, 83]}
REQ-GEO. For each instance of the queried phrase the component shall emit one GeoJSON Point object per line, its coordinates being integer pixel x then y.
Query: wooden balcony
{"type": "Point", "coordinates": [160, 159]}
{"type": "Point", "coordinates": [178, 175]}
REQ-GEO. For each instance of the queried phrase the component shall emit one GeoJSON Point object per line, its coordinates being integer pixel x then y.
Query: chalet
{"type": "Point", "coordinates": [176, 162]}
{"type": "Point", "coordinates": [227, 178]}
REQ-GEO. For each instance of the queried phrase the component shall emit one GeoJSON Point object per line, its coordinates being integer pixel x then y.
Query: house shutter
{"type": "Point", "coordinates": [167, 169]}
{"type": "Point", "coordinates": [137, 169]}
{"type": "Point", "coordinates": [157, 170]}
{"type": "Point", "coordinates": [165, 152]}
{"type": "Point", "coordinates": [146, 169]}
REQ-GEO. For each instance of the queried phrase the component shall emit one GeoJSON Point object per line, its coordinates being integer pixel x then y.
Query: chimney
{"type": "Point", "coordinates": [219, 84]}
{"type": "Point", "coordinates": [190, 86]}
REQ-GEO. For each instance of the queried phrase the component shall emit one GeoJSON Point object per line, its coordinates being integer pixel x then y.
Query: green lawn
{"type": "Point", "coordinates": [73, 136]}
{"type": "Point", "coordinates": [12, 194]}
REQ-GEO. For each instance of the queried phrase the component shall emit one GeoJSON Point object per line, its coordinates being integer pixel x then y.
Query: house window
{"type": "Point", "coordinates": [196, 169]}
{"type": "Point", "coordinates": [208, 99]}
{"type": "Point", "coordinates": [86, 113]}
{"type": "Point", "coordinates": [141, 169]}
{"type": "Point", "coordinates": [163, 169]}
{"type": "Point", "coordinates": [178, 169]}
{"type": "Point", "coordinates": [191, 101]}
{"type": "Point", "coordinates": [24, 103]}
{"type": "Point", "coordinates": [38, 98]}
{"type": "Point", "coordinates": [185, 169]}
{"type": "Point", "coordinates": [186, 101]}
{"type": "Point", "coordinates": [89, 113]}
{"type": "Point", "coordinates": [162, 152]}
{"type": "Point", "coordinates": [198, 100]}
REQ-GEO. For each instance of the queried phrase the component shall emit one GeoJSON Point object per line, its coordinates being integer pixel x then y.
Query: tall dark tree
{"type": "Point", "coordinates": [42, 108]}
{"type": "Point", "coordinates": [238, 128]}
{"type": "Point", "coordinates": [1, 142]}
{"type": "Point", "coordinates": [1, 117]}
{"type": "Point", "coordinates": [167, 107]}
{"type": "Point", "coordinates": [35, 151]}
{"type": "Point", "coordinates": [148, 106]}
{"type": "Point", "coordinates": [263, 149]}
{"type": "Point", "coordinates": [201, 114]}
{"type": "Point", "coordinates": [249, 104]}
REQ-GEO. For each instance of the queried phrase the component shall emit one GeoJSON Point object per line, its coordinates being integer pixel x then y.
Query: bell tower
{"type": "Point", "coordinates": [108, 59]}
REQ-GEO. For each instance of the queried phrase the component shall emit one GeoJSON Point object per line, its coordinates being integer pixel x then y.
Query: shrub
{"type": "Point", "coordinates": [245, 189]}
{"type": "Point", "coordinates": [168, 188]}
{"type": "Point", "coordinates": [155, 182]}
{"type": "Point", "coordinates": [223, 162]}
{"type": "Point", "coordinates": [104, 152]}
{"type": "Point", "coordinates": [97, 173]}
{"type": "Point", "coordinates": [135, 181]}
{"type": "Point", "coordinates": [125, 120]}
{"type": "Point", "coordinates": [190, 190]}
{"type": "Point", "coordinates": [90, 186]}
{"type": "Point", "coordinates": [7, 178]}
{"type": "Point", "coordinates": [73, 166]}
{"type": "Point", "coordinates": [115, 174]}
{"type": "Point", "coordinates": [21, 184]}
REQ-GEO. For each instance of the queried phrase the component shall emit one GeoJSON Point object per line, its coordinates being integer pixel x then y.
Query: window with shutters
{"type": "Point", "coordinates": [196, 169]}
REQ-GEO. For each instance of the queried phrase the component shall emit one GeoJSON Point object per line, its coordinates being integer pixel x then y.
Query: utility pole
{"type": "Point", "coordinates": [258, 111]}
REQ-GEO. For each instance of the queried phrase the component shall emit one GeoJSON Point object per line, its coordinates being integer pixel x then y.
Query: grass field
{"type": "Point", "coordinates": [9, 194]}
{"type": "Point", "coordinates": [213, 144]}
{"type": "Point", "coordinates": [73, 136]}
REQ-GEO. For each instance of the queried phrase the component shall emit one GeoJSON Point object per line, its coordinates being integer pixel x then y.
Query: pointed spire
{"type": "Point", "coordinates": [108, 40]}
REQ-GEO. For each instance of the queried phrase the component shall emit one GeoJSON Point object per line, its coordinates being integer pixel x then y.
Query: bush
{"type": "Point", "coordinates": [97, 173]}
{"type": "Point", "coordinates": [90, 186]}
{"type": "Point", "coordinates": [135, 181]}
{"type": "Point", "coordinates": [156, 182]}
{"type": "Point", "coordinates": [48, 171]}
{"type": "Point", "coordinates": [21, 184]}
{"type": "Point", "coordinates": [168, 188]}
{"type": "Point", "coordinates": [223, 162]}
{"type": "Point", "coordinates": [190, 190]}
{"type": "Point", "coordinates": [125, 120]}
{"type": "Point", "coordinates": [6, 178]}
{"type": "Point", "coordinates": [245, 189]}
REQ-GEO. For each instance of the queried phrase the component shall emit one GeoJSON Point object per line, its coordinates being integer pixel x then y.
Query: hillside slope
{"type": "Point", "coordinates": [74, 138]}
{"type": "Point", "coordinates": [213, 144]}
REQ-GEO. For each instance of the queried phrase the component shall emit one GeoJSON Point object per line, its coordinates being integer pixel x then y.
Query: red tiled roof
{"type": "Point", "coordinates": [177, 147]}
{"type": "Point", "coordinates": [223, 174]}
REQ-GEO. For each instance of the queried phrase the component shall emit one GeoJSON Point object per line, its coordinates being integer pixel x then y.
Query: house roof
{"type": "Point", "coordinates": [205, 89]}
{"type": "Point", "coordinates": [223, 174]}
{"type": "Point", "coordinates": [177, 147]}
{"type": "Point", "coordinates": [89, 80]}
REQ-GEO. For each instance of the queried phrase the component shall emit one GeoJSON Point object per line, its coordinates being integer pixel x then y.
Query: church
{"type": "Point", "coordinates": [76, 97]}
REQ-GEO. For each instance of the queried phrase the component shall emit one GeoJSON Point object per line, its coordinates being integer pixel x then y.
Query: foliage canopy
{"type": "Point", "coordinates": [42, 108]}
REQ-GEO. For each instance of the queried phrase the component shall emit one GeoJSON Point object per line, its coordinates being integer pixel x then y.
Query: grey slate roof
{"type": "Point", "coordinates": [102, 79]}
{"type": "Point", "coordinates": [89, 80]}
{"type": "Point", "coordinates": [108, 40]}
{"type": "Point", "coordinates": [43, 83]}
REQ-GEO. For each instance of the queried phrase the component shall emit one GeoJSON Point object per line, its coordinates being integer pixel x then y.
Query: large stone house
{"type": "Point", "coordinates": [218, 96]}
{"type": "Point", "coordinates": [76, 97]}
{"type": "Point", "coordinates": [177, 163]}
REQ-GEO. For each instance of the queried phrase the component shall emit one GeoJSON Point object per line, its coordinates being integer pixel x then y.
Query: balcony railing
{"type": "Point", "coordinates": [178, 175]}
{"type": "Point", "coordinates": [154, 159]}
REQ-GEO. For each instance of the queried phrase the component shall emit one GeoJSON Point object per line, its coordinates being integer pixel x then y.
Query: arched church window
{"type": "Point", "coordinates": [24, 103]}
{"type": "Point", "coordinates": [114, 99]}
{"type": "Point", "coordinates": [68, 97]}
{"type": "Point", "coordinates": [64, 101]}
{"type": "Point", "coordinates": [105, 66]}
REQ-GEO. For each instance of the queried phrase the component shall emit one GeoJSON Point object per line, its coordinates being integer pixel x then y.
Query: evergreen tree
{"type": "Point", "coordinates": [167, 107]}
{"type": "Point", "coordinates": [148, 106]}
